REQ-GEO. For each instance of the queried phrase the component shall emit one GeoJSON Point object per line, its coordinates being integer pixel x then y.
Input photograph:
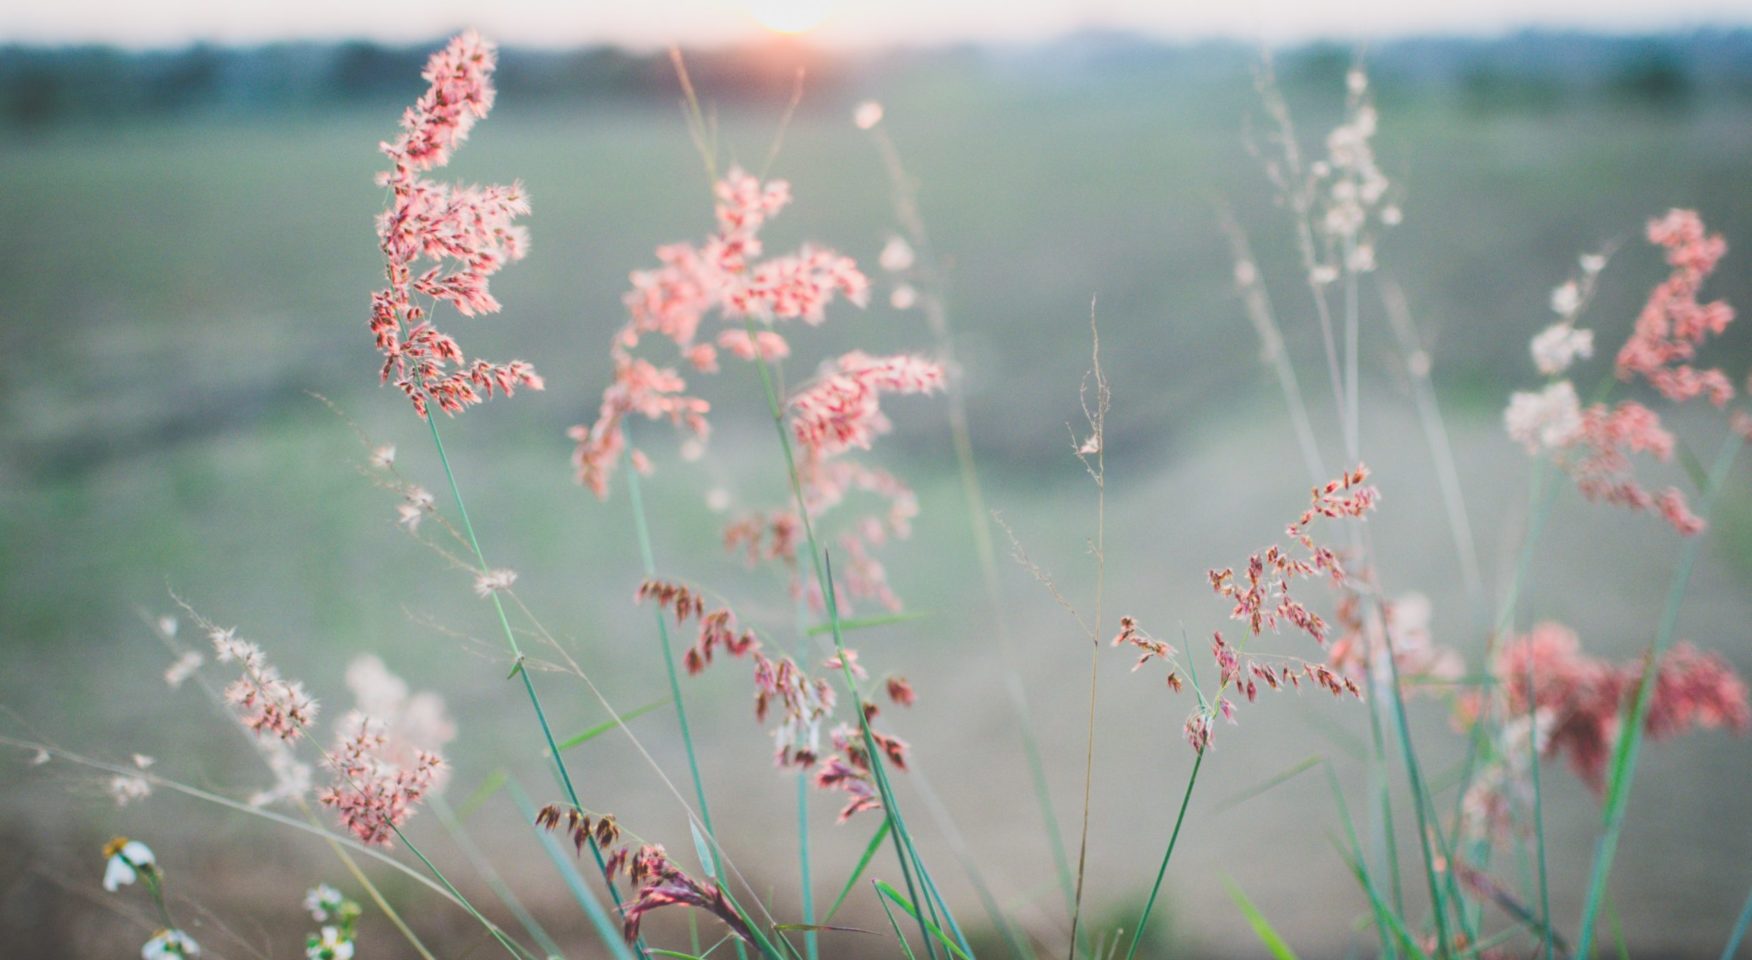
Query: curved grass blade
{"type": "Point", "coordinates": [1262, 928]}
{"type": "Point", "coordinates": [587, 735]}
{"type": "Point", "coordinates": [900, 901]}
{"type": "Point", "coordinates": [858, 871]}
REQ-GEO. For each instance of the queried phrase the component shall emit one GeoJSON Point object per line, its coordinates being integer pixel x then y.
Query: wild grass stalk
{"type": "Point", "coordinates": [1624, 756]}
{"type": "Point", "coordinates": [898, 834]}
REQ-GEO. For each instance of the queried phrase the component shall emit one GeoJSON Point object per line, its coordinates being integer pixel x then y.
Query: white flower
{"type": "Point", "coordinates": [1558, 346]}
{"type": "Point", "coordinates": [1547, 420]}
{"type": "Point", "coordinates": [1566, 299]}
{"type": "Point", "coordinates": [170, 945]}
{"type": "Point", "coordinates": [383, 457]}
{"type": "Point", "coordinates": [184, 667]}
{"type": "Point", "coordinates": [126, 859]}
{"type": "Point", "coordinates": [322, 900]}
{"type": "Point", "coordinates": [330, 946]}
{"type": "Point", "coordinates": [167, 626]}
{"type": "Point", "coordinates": [904, 297]}
{"type": "Point", "coordinates": [1322, 275]}
{"type": "Point", "coordinates": [867, 115]}
{"type": "Point", "coordinates": [1593, 263]}
{"type": "Point", "coordinates": [717, 500]}
{"type": "Point", "coordinates": [896, 255]}
{"type": "Point", "coordinates": [125, 790]}
{"type": "Point", "coordinates": [1392, 216]}
{"type": "Point", "coordinates": [493, 581]}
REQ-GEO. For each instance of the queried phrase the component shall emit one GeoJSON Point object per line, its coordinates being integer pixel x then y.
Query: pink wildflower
{"type": "Point", "coordinates": [723, 275]}
{"type": "Point", "coordinates": [466, 234]}
{"type": "Point", "coordinates": [1545, 670]}
{"type": "Point", "coordinates": [371, 794]}
{"type": "Point", "coordinates": [662, 884]}
{"type": "Point", "coordinates": [265, 701]}
{"type": "Point", "coordinates": [1673, 324]}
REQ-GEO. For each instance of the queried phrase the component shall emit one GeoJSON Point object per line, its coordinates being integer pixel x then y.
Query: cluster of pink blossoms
{"type": "Point", "coordinates": [1594, 444]}
{"type": "Point", "coordinates": [266, 702]}
{"type": "Point", "coordinates": [1576, 699]}
{"type": "Point", "coordinates": [837, 412]}
{"type": "Point", "coordinates": [663, 884]}
{"type": "Point", "coordinates": [372, 794]}
{"type": "Point", "coordinates": [1673, 324]}
{"type": "Point", "coordinates": [466, 233]}
{"type": "Point", "coordinates": [722, 275]}
{"type": "Point", "coordinates": [1262, 599]}
{"type": "Point", "coordinates": [805, 703]}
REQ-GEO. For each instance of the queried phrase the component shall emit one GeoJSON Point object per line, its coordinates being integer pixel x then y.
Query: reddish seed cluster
{"type": "Point", "coordinates": [717, 628]}
{"type": "Point", "coordinates": [1579, 697]}
{"type": "Point", "coordinates": [842, 409]}
{"type": "Point", "coordinates": [662, 884]}
{"type": "Point", "coordinates": [465, 233]}
{"type": "Point", "coordinates": [1673, 324]}
{"type": "Point", "coordinates": [580, 826]}
{"type": "Point", "coordinates": [848, 770]}
{"type": "Point", "coordinates": [1599, 460]}
{"type": "Point", "coordinates": [266, 702]}
{"type": "Point", "coordinates": [371, 795]}
{"type": "Point", "coordinates": [1153, 649]}
{"type": "Point", "coordinates": [1262, 595]}
{"type": "Point", "coordinates": [723, 275]}
{"type": "Point", "coordinates": [659, 881]}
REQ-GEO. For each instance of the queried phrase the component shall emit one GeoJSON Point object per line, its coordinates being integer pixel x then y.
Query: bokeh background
{"type": "Point", "coordinates": [186, 256]}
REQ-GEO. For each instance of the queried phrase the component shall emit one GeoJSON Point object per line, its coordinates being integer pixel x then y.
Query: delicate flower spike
{"type": "Point", "coordinates": [265, 701]}
{"type": "Point", "coordinates": [125, 861]}
{"type": "Point", "coordinates": [900, 691]}
{"type": "Point", "coordinates": [170, 945]}
{"type": "Point", "coordinates": [663, 884]}
{"type": "Point", "coordinates": [372, 795]}
{"type": "Point", "coordinates": [1673, 324]}
{"type": "Point", "coordinates": [443, 242]}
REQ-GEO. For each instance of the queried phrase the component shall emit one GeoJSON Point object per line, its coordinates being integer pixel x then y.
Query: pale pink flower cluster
{"type": "Point", "coordinates": [371, 793]}
{"type": "Point", "coordinates": [265, 701]}
{"type": "Point", "coordinates": [1673, 324]}
{"type": "Point", "coordinates": [410, 723]}
{"type": "Point", "coordinates": [1595, 444]}
{"type": "Point", "coordinates": [723, 275]}
{"type": "Point", "coordinates": [1367, 632]}
{"type": "Point", "coordinates": [1579, 698]}
{"type": "Point", "coordinates": [842, 409]}
{"type": "Point", "coordinates": [466, 233]}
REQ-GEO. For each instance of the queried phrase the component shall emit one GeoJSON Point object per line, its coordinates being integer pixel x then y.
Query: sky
{"type": "Point", "coordinates": [843, 23]}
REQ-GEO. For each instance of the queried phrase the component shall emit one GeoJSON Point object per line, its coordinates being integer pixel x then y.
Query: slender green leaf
{"type": "Point", "coordinates": [1262, 927]}
{"type": "Point", "coordinates": [900, 901]}
{"type": "Point", "coordinates": [493, 784]}
{"type": "Point", "coordinates": [605, 726]}
{"type": "Point", "coordinates": [858, 871]}
{"type": "Point", "coordinates": [865, 623]}
{"type": "Point", "coordinates": [897, 934]}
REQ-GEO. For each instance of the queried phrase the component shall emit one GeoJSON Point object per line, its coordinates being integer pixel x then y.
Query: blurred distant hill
{"type": "Point", "coordinates": [1536, 70]}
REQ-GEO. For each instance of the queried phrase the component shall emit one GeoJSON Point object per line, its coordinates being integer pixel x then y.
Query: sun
{"type": "Point", "coordinates": [791, 17]}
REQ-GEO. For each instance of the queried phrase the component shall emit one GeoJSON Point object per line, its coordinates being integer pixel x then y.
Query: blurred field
{"type": "Point", "coordinates": [169, 291]}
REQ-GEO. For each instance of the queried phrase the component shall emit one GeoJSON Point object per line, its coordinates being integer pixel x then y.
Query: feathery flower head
{"type": "Point", "coordinates": [465, 234]}
{"type": "Point", "coordinates": [1673, 324]}
{"type": "Point", "coordinates": [265, 701]}
{"type": "Point", "coordinates": [371, 794]}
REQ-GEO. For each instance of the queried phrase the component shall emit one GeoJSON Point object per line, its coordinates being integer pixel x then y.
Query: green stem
{"type": "Point", "coordinates": [809, 937]}
{"type": "Point", "coordinates": [898, 834]}
{"type": "Point", "coordinates": [1162, 871]}
{"type": "Point", "coordinates": [518, 665]}
{"type": "Point", "coordinates": [1631, 723]}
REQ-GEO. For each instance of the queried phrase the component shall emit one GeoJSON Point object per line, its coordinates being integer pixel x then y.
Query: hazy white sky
{"type": "Point", "coordinates": [837, 22]}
